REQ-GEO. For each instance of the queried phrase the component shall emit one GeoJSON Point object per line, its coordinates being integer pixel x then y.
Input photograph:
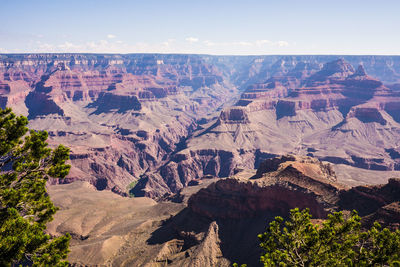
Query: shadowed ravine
{"type": "Point", "coordinates": [150, 124]}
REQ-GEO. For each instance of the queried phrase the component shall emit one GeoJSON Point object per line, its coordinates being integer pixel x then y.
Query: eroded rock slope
{"type": "Point", "coordinates": [338, 114]}
{"type": "Point", "coordinates": [213, 223]}
{"type": "Point", "coordinates": [161, 121]}
{"type": "Point", "coordinates": [121, 115]}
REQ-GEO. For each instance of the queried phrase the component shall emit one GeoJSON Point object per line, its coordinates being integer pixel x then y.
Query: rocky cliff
{"type": "Point", "coordinates": [212, 223]}
{"type": "Point", "coordinates": [279, 185]}
{"type": "Point", "coordinates": [160, 121]}
{"type": "Point", "coordinates": [236, 208]}
{"type": "Point", "coordinates": [338, 113]}
{"type": "Point", "coordinates": [122, 115]}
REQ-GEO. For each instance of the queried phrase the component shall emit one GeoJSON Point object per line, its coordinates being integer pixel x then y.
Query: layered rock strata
{"type": "Point", "coordinates": [212, 223]}
{"type": "Point", "coordinates": [165, 118]}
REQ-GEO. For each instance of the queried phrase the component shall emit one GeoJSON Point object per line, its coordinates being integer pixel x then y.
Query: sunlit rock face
{"type": "Point", "coordinates": [157, 122]}
{"type": "Point", "coordinates": [121, 115]}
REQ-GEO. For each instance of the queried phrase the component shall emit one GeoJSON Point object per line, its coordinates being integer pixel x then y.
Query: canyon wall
{"type": "Point", "coordinates": [337, 113]}
{"type": "Point", "coordinates": [213, 223]}
{"type": "Point", "coordinates": [149, 124]}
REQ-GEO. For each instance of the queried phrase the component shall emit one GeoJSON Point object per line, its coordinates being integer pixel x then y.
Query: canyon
{"type": "Point", "coordinates": [150, 124]}
{"type": "Point", "coordinates": [337, 114]}
{"type": "Point", "coordinates": [212, 223]}
{"type": "Point", "coordinates": [182, 159]}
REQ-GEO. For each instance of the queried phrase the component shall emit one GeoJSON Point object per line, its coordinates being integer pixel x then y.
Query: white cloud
{"type": "Point", "coordinates": [68, 46]}
{"type": "Point", "coordinates": [243, 43]}
{"type": "Point", "coordinates": [45, 47]}
{"type": "Point", "coordinates": [192, 39]}
{"type": "Point", "coordinates": [208, 43]}
{"type": "Point", "coordinates": [168, 42]}
{"type": "Point", "coordinates": [257, 43]}
{"type": "Point", "coordinates": [227, 44]}
{"type": "Point", "coordinates": [169, 46]}
{"type": "Point", "coordinates": [263, 42]}
{"type": "Point", "coordinates": [111, 36]}
{"type": "Point", "coordinates": [282, 43]}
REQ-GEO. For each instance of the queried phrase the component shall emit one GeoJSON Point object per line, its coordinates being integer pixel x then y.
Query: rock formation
{"type": "Point", "coordinates": [240, 206]}
{"type": "Point", "coordinates": [120, 115]}
{"type": "Point", "coordinates": [337, 114]}
{"type": "Point", "coordinates": [161, 121]}
{"type": "Point", "coordinates": [214, 223]}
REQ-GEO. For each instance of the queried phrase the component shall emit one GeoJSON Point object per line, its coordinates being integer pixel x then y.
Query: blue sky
{"type": "Point", "coordinates": [204, 27]}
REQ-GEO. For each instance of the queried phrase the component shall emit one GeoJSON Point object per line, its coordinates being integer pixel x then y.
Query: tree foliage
{"type": "Point", "coordinates": [26, 163]}
{"type": "Point", "coordinates": [335, 242]}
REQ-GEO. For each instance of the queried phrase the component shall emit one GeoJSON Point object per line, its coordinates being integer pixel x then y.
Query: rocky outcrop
{"type": "Point", "coordinates": [279, 185]}
{"type": "Point", "coordinates": [270, 89]}
{"type": "Point", "coordinates": [107, 102]}
{"type": "Point", "coordinates": [183, 168]}
{"type": "Point", "coordinates": [222, 220]}
{"type": "Point", "coordinates": [337, 69]}
{"type": "Point", "coordinates": [369, 199]}
{"type": "Point", "coordinates": [40, 104]}
{"type": "Point", "coordinates": [366, 115]}
{"type": "Point", "coordinates": [388, 215]}
{"type": "Point", "coordinates": [234, 115]}
{"type": "Point", "coordinates": [315, 167]}
{"type": "Point", "coordinates": [335, 86]}
{"type": "Point", "coordinates": [359, 73]}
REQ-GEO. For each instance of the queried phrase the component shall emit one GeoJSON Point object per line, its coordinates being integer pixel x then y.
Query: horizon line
{"type": "Point", "coordinates": [195, 54]}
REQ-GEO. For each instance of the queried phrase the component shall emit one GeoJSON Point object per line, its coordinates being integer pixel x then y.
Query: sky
{"type": "Point", "coordinates": [221, 27]}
